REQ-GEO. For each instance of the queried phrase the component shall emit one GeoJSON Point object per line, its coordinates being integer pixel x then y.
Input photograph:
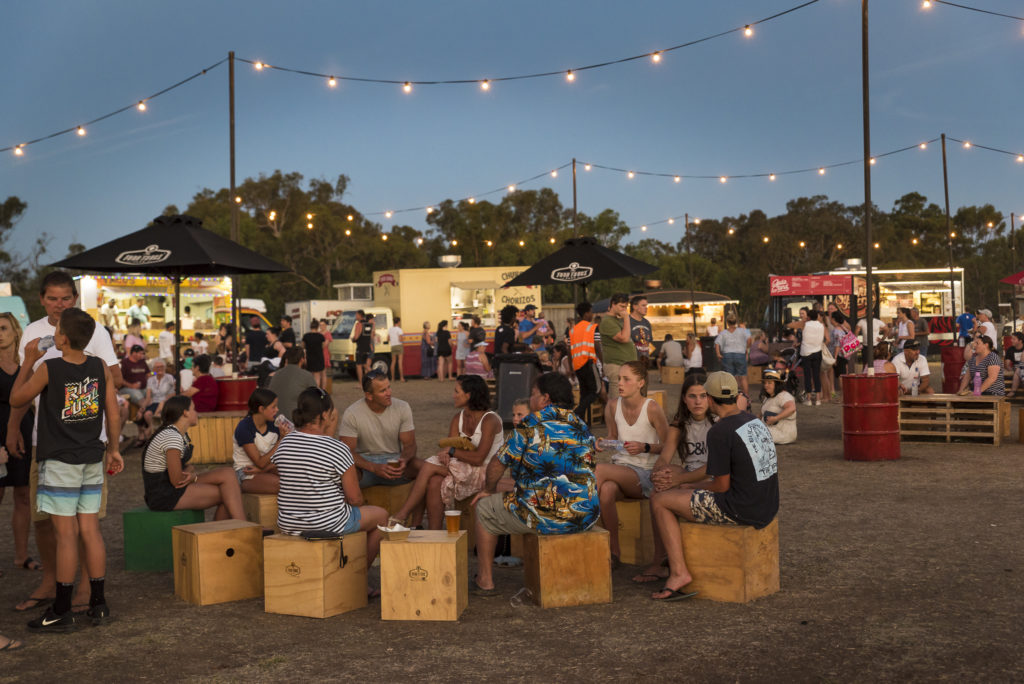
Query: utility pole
{"type": "Point", "coordinates": [235, 284]}
{"type": "Point", "coordinates": [949, 233]}
{"type": "Point", "coordinates": [869, 336]}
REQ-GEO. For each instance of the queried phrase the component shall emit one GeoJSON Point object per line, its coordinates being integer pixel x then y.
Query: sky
{"type": "Point", "coordinates": [787, 97]}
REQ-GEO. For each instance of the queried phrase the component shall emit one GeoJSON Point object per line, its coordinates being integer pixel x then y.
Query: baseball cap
{"type": "Point", "coordinates": [136, 347]}
{"type": "Point", "coordinates": [529, 307]}
{"type": "Point", "coordinates": [911, 344]}
{"type": "Point", "coordinates": [721, 385]}
{"type": "Point", "coordinates": [770, 375]}
{"type": "Point", "coordinates": [987, 312]}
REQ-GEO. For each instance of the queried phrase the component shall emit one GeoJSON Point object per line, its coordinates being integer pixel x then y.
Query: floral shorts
{"type": "Point", "coordinates": [705, 510]}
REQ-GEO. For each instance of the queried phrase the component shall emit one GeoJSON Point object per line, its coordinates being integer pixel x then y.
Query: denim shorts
{"type": "Point", "coordinates": [67, 489]}
{"type": "Point", "coordinates": [646, 486]}
{"type": "Point", "coordinates": [734, 363]}
{"type": "Point", "coordinates": [368, 479]}
{"type": "Point", "coordinates": [355, 519]}
{"type": "Point", "coordinates": [242, 475]}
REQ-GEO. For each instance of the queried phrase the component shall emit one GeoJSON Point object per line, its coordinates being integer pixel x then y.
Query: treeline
{"type": "Point", "coordinates": [324, 240]}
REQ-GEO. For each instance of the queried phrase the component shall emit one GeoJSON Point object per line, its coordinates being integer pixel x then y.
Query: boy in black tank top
{"type": "Point", "coordinates": [76, 393]}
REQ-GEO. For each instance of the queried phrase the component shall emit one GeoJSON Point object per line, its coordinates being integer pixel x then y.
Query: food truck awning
{"type": "Point", "coordinates": [152, 289]}
{"type": "Point", "coordinates": [1015, 279]}
{"type": "Point", "coordinates": [477, 285]}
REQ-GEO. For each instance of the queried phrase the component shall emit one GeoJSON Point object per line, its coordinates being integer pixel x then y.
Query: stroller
{"type": "Point", "coordinates": [792, 374]}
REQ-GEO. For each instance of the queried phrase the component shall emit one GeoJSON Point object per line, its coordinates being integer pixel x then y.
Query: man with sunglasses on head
{"type": "Point", "coordinates": [378, 430]}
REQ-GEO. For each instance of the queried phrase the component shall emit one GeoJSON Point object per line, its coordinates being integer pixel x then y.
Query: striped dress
{"type": "Point", "coordinates": [311, 497]}
{"type": "Point", "coordinates": [997, 388]}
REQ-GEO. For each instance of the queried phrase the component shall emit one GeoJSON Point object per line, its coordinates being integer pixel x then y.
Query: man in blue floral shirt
{"type": "Point", "coordinates": [551, 458]}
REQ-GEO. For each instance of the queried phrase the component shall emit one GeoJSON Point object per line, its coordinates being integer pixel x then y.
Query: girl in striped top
{"type": "Point", "coordinates": [173, 485]}
{"type": "Point", "coordinates": [319, 483]}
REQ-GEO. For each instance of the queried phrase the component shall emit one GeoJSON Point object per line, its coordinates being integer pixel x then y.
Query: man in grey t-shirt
{"type": "Point", "coordinates": [378, 429]}
{"type": "Point", "coordinates": [288, 382]}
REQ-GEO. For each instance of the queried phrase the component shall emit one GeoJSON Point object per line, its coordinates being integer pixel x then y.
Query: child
{"type": "Point", "coordinates": [503, 552]}
{"type": "Point", "coordinates": [256, 439]}
{"type": "Point", "coordinates": [199, 345]}
{"type": "Point", "coordinates": [520, 409]}
{"type": "Point", "coordinates": [76, 393]}
{"type": "Point", "coordinates": [217, 370]}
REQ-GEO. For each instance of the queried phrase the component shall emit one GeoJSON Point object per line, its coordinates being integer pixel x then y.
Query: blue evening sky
{"type": "Point", "coordinates": [787, 98]}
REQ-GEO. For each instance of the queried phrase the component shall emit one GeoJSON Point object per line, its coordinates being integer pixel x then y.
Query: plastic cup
{"type": "Point", "coordinates": [451, 519]}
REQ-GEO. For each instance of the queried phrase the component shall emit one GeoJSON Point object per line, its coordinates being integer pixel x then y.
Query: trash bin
{"type": "Point", "coordinates": [515, 376]}
{"type": "Point", "coordinates": [233, 393]}
{"type": "Point", "coordinates": [871, 428]}
{"type": "Point", "coordinates": [710, 358]}
{"type": "Point", "coordinates": [952, 364]}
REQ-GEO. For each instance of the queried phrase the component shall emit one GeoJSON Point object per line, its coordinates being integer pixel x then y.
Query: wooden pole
{"type": "Point", "coordinates": [1013, 269]}
{"type": "Point", "coordinates": [869, 336]}
{"type": "Point", "coordinates": [235, 289]}
{"type": "Point", "coordinates": [575, 232]}
{"type": "Point", "coordinates": [949, 237]}
{"type": "Point", "coordinates": [689, 251]}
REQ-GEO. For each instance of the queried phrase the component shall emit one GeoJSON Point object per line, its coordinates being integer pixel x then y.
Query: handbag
{"type": "Point", "coordinates": [827, 360]}
{"type": "Point", "coordinates": [849, 344]}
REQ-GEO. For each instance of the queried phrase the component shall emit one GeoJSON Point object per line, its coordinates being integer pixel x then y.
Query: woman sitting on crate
{"type": "Point", "coordinates": [640, 426]}
{"type": "Point", "coordinates": [457, 471]}
{"type": "Point", "coordinates": [986, 366]}
{"type": "Point", "coordinates": [319, 495]}
{"type": "Point", "coordinates": [778, 410]}
{"type": "Point", "coordinates": [173, 485]}
{"type": "Point", "coordinates": [256, 438]}
{"type": "Point", "coordinates": [687, 437]}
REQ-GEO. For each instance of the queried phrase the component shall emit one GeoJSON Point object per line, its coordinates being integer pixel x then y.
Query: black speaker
{"type": "Point", "coordinates": [516, 373]}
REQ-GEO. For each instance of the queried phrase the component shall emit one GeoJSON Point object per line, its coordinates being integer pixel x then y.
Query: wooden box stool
{"type": "Point", "coordinates": [212, 437]}
{"type": "Point", "coordinates": [672, 375]}
{"type": "Point", "coordinates": [424, 577]}
{"type": "Point", "coordinates": [262, 509]}
{"type": "Point", "coordinates": [568, 569]}
{"type": "Point", "coordinates": [388, 498]}
{"type": "Point", "coordinates": [636, 535]}
{"type": "Point", "coordinates": [732, 562]}
{"type": "Point", "coordinates": [314, 578]}
{"type": "Point", "coordinates": [147, 537]}
{"type": "Point", "coordinates": [217, 562]}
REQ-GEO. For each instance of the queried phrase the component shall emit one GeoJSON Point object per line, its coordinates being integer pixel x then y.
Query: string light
{"type": "Point", "coordinates": [485, 84]}
{"type": "Point", "coordinates": [309, 226]}
{"type": "Point", "coordinates": [923, 146]}
{"type": "Point", "coordinates": [677, 179]}
{"type": "Point", "coordinates": [671, 221]}
{"type": "Point", "coordinates": [419, 241]}
{"type": "Point", "coordinates": [967, 145]}
{"type": "Point", "coordinates": [914, 241]}
{"type": "Point", "coordinates": [554, 174]}
{"type": "Point", "coordinates": [839, 245]}
{"type": "Point", "coordinates": [309, 216]}
{"type": "Point", "coordinates": [348, 231]}
{"type": "Point", "coordinates": [643, 229]}
{"type": "Point", "coordinates": [387, 214]}
{"type": "Point", "coordinates": [430, 210]}
{"type": "Point", "coordinates": [765, 239]}
{"type": "Point", "coordinates": [332, 82]}
{"type": "Point", "coordinates": [748, 31]}
{"type": "Point", "coordinates": [732, 231]}
{"type": "Point", "coordinates": [407, 87]}
{"type": "Point", "coordinates": [141, 106]}
{"type": "Point", "coordinates": [877, 246]}
{"type": "Point", "coordinates": [872, 161]}
{"type": "Point", "coordinates": [655, 57]}
{"type": "Point", "coordinates": [569, 76]}
{"type": "Point", "coordinates": [696, 221]}
{"type": "Point", "coordinates": [522, 243]}
{"type": "Point", "coordinates": [953, 234]}
{"type": "Point", "coordinates": [771, 176]}
{"type": "Point", "coordinates": [802, 244]}
{"type": "Point", "coordinates": [630, 175]}
{"type": "Point", "coordinates": [552, 240]}
{"type": "Point", "coordinates": [238, 199]}
{"type": "Point", "coordinates": [272, 215]}
{"type": "Point", "coordinates": [991, 225]}
{"type": "Point", "coordinates": [455, 243]}
{"type": "Point", "coordinates": [258, 66]}
{"type": "Point", "coordinates": [1020, 158]}
{"type": "Point", "coordinates": [926, 4]}
{"type": "Point", "coordinates": [384, 237]}
{"type": "Point", "coordinates": [489, 243]}
{"type": "Point", "coordinates": [512, 188]}
{"type": "Point", "coordinates": [80, 131]}
{"type": "Point", "coordinates": [722, 179]}
{"type": "Point", "coordinates": [472, 200]}
{"type": "Point", "coordinates": [587, 167]}
{"type": "Point", "coordinates": [350, 217]}
{"type": "Point", "coordinates": [19, 151]}
{"type": "Point", "coordinates": [821, 171]}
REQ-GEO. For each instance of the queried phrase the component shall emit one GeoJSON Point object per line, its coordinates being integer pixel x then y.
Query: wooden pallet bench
{"type": "Point", "coordinates": [951, 418]}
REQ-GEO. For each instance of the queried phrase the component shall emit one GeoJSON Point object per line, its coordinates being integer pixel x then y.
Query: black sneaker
{"type": "Point", "coordinates": [99, 615]}
{"type": "Point", "coordinates": [51, 622]}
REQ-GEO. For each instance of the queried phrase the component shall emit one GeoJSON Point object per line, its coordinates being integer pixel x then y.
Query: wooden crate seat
{"type": "Point", "coordinates": [218, 561]}
{"type": "Point", "coordinates": [147, 537]}
{"type": "Point", "coordinates": [733, 563]}
{"type": "Point", "coordinates": [314, 578]}
{"type": "Point", "coordinates": [424, 577]}
{"type": "Point", "coordinates": [568, 569]}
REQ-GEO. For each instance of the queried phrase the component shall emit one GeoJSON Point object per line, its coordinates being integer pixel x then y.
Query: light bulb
{"type": "Point", "coordinates": [677, 179]}
{"type": "Point", "coordinates": [569, 76]}
{"type": "Point", "coordinates": [455, 243]}
{"type": "Point", "coordinates": [472, 200]}
{"type": "Point", "coordinates": [765, 239]}
{"type": "Point", "coordinates": [272, 215]}
{"type": "Point", "coordinates": [80, 131]}
{"type": "Point", "coordinates": [953, 234]}
{"type": "Point", "coordinates": [350, 217]}
{"type": "Point", "coordinates": [748, 30]}
{"type": "Point", "coordinates": [238, 199]}
{"type": "Point", "coordinates": [258, 66]}
{"type": "Point", "coordinates": [696, 221]}
{"type": "Point", "coordinates": [18, 151]}
{"type": "Point", "coordinates": [554, 174]}
{"type": "Point", "coordinates": [802, 244]}
{"type": "Point", "coordinates": [586, 167]}
{"type": "Point", "coordinates": [722, 179]}
{"type": "Point", "coordinates": [522, 243]}
{"type": "Point", "coordinates": [991, 225]}
{"type": "Point", "coordinates": [877, 246]}
{"type": "Point", "coordinates": [141, 106]}
{"type": "Point", "coordinates": [821, 171]}
{"type": "Point", "coordinates": [387, 214]}
{"type": "Point", "coordinates": [839, 245]}
{"type": "Point", "coordinates": [967, 145]}
{"type": "Point", "coordinates": [309, 216]}
{"type": "Point", "coordinates": [630, 174]}
{"type": "Point", "coordinates": [485, 84]}
{"type": "Point", "coordinates": [732, 231]}
{"type": "Point", "coordinates": [348, 231]}
{"type": "Point", "coordinates": [872, 161]}
{"type": "Point", "coordinates": [430, 210]}
{"type": "Point", "coordinates": [309, 226]}
{"type": "Point", "coordinates": [552, 240]}
{"type": "Point", "coordinates": [512, 188]}
{"type": "Point", "coordinates": [332, 82]}
{"type": "Point", "coordinates": [643, 229]}
{"type": "Point", "coordinates": [671, 221]}
{"type": "Point", "coordinates": [914, 241]}
{"type": "Point", "coordinates": [655, 57]}
{"type": "Point", "coordinates": [419, 241]}
{"type": "Point", "coordinates": [384, 237]}
{"type": "Point", "coordinates": [926, 4]}
{"type": "Point", "coordinates": [489, 243]}
{"type": "Point", "coordinates": [771, 176]}
{"type": "Point", "coordinates": [407, 87]}
{"type": "Point", "coordinates": [1020, 158]}
{"type": "Point", "coordinates": [923, 146]}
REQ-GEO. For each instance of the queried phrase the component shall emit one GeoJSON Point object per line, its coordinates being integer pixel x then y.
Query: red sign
{"type": "Point", "coordinates": [386, 278]}
{"type": "Point", "coordinates": [783, 286]}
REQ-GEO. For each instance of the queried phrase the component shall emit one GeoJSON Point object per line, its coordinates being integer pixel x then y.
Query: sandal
{"type": "Point", "coordinates": [12, 645]}
{"type": "Point", "coordinates": [674, 594]}
{"type": "Point", "coordinates": [31, 564]}
{"type": "Point", "coordinates": [36, 602]}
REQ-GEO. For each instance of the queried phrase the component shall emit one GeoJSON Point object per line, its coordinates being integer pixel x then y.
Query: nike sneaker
{"type": "Point", "coordinates": [51, 622]}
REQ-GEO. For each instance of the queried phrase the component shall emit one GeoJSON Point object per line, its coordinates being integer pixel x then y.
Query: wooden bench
{"type": "Point", "coordinates": [314, 578]}
{"type": "Point", "coordinates": [568, 569]}
{"type": "Point", "coordinates": [952, 418]}
{"type": "Point", "coordinates": [147, 537]}
{"type": "Point", "coordinates": [262, 509]}
{"type": "Point", "coordinates": [733, 563]}
{"type": "Point", "coordinates": [217, 562]}
{"type": "Point", "coordinates": [213, 437]}
{"type": "Point", "coordinates": [424, 577]}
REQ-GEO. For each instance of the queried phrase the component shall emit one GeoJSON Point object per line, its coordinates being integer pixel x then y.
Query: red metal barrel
{"type": "Point", "coordinates": [233, 393]}
{"type": "Point", "coordinates": [952, 364]}
{"type": "Point", "coordinates": [871, 429]}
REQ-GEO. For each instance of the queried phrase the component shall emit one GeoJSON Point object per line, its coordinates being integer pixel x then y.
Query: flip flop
{"type": "Point", "coordinates": [31, 564]}
{"type": "Point", "coordinates": [477, 590]}
{"type": "Point", "coordinates": [675, 595]}
{"type": "Point", "coordinates": [12, 645]}
{"type": "Point", "coordinates": [36, 601]}
{"type": "Point", "coordinates": [647, 577]}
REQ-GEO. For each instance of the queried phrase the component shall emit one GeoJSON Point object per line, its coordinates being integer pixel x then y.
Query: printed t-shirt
{"type": "Point", "coordinates": [741, 446]}
{"type": "Point", "coordinates": [71, 412]}
{"type": "Point", "coordinates": [693, 446]}
{"type": "Point", "coordinates": [640, 332]}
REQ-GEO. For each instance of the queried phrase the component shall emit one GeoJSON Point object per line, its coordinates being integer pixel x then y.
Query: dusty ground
{"type": "Point", "coordinates": [905, 570]}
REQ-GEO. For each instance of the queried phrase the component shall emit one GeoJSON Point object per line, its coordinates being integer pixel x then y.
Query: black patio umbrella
{"type": "Point", "coordinates": [581, 261]}
{"type": "Point", "coordinates": [175, 247]}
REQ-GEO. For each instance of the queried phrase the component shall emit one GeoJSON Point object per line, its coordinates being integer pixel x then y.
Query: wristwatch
{"type": "Point", "coordinates": [647, 448]}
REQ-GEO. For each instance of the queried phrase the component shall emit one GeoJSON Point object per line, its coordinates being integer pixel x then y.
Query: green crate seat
{"type": "Point", "coordinates": [147, 537]}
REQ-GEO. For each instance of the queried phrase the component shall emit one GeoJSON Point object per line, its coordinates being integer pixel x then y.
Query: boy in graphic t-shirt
{"type": "Point", "coordinates": [76, 393]}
